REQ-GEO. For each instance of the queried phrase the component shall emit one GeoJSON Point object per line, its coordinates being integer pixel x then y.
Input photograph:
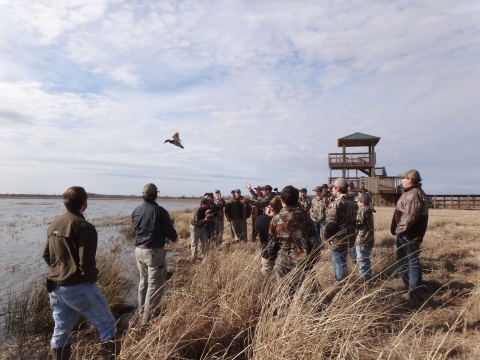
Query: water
{"type": "Point", "coordinates": [23, 228]}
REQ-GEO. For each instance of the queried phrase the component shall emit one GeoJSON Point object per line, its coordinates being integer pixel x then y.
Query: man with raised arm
{"type": "Point", "coordinates": [261, 201]}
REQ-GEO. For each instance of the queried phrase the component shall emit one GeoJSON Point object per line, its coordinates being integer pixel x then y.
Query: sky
{"type": "Point", "coordinates": [259, 92]}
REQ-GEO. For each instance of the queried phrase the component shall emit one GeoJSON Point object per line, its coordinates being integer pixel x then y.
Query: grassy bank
{"type": "Point", "coordinates": [215, 308]}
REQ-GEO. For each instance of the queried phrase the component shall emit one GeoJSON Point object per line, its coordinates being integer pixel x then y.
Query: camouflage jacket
{"type": "Point", "coordinates": [365, 227]}
{"type": "Point", "coordinates": [305, 203]}
{"type": "Point", "coordinates": [340, 229]}
{"type": "Point", "coordinates": [261, 201]}
{"type": "Point", "coordinates": [352, 197]}
{"type": "Point", "coordinates": [319, 205]}
{"type": "Point", "coordinates": [410, 219]}
{"type": "Point", "coordinates": [292, 238]}
{"type": "Point", "coordinates": [220, 203]}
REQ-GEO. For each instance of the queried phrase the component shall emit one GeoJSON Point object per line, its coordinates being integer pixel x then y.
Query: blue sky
{"type": "Point", "coordinates": [259, 92]}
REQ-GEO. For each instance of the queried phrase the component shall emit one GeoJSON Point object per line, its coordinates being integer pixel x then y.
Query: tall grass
{"type": "Point", "coordinates": [28, 311]}
{"type": "Point", "coordinates": [216, 308]}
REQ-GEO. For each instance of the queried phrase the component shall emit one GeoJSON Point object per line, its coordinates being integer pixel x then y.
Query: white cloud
{"type": "Point", "coordinates": [255, 89]}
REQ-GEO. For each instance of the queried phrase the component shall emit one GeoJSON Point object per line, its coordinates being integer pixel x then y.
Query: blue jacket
{"type": "Point", "coordinates": [152, 225]}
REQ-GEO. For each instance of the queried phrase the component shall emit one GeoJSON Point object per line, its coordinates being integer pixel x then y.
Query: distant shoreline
{"type": "Point", "coordinates": [99, 197]}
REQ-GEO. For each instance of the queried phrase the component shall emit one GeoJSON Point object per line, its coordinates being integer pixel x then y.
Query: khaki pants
{"type": "Point", "coordinates": [239, 227]}
{"type": "Point", "coordinates": [198, 233]}
{"type": "Point", "coordinates": [153, 274]}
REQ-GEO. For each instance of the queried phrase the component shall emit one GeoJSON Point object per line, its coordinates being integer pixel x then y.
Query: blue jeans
{"type": "Point", "coordinates": [339, 261]}
{"type": "Point", "coordinates": [409, 267]}
{"type": "Point", "coordinates": [364, 262]}
{"type": "Point", "coordinates": [84, 299]}
{"type": "Point", "coordinates": [319, 229]}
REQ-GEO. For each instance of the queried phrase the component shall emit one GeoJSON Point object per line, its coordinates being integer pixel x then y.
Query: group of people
{"type": "Point", "coordinates": [291, 227]}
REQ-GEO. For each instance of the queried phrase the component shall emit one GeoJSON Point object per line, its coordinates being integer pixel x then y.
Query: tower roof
{"type": "Point", "coordinates": [358, 139]}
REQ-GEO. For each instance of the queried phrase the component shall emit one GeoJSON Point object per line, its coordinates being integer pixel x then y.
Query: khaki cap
{"type": "Point", "coordinates": [340, 182]}
{"type": "Point", "coordinates": [410, 174]}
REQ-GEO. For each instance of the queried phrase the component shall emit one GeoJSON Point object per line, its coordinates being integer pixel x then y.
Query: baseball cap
{"type": "Point", "coordinates": [238, 191]}
{"type": "Point", "coordinates": [258, 187]}
{"type": "Point", "coordinates": [340, 182]}
{"type": "Point", "coordinates": [410, 174]}
{"type": "Point", "coordinates": [204, 201]}
{"type": "Point", "coordinates": [217, 191]}
{"type": "Point", "coordinates": [150, 190]}
{"type": "Point", "coordinates": [266, 187]}
{"type": "Point", "coordinates": [303, 190]}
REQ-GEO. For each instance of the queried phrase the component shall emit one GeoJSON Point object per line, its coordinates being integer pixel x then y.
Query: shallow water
{"type": "Point", "coordinates": [23, 227]}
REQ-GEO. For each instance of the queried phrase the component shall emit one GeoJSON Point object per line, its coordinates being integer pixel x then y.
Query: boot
{"type": "Point", "coordinates": [110, 349]}
{"type": "Point", "coordinates": [63, 353]}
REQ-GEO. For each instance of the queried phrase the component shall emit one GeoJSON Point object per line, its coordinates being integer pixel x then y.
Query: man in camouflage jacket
{"type": "Point", "coordinates": [339, 230]}
{"type": "Point", "coordinates": [409, 224]}
{"type": "Point", "coordinates": [260, 201]}
{"type": "Point", "coordinates": [365, 236]}
{"type": "Point", "coordinates": [292, 239]}
{"type": "Point", "coordinates": [317, 210]}
{"type": "Point", "coordinates": [304, 201]}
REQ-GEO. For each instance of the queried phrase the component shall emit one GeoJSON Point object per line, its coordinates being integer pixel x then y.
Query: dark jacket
{"type": "Point", "coordinates": [236, 209]}
{"type": "Point", "coordinates": [199, 217]}
{"type": "Point", "coordinates": [152, 225]}
{"type": "Point", "coordinates": [70, 250]}
{"type": "Point", "coordinates": [410, 219]}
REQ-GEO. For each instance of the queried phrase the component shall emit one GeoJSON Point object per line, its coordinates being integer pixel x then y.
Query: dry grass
{"type": "Point", "coordinates": [215, 308]}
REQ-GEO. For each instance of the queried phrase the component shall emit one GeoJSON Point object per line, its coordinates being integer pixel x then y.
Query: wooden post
{"type": "Point", "coordinates": [468, 202]}
{"type": "Point", "coordinates": [434, 201]}
{"type": "Point", "coordinates": [451, 202]}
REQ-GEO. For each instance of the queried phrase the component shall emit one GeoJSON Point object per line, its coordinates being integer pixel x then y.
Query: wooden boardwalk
{"type": "Point", "coordinates": [455, 202]}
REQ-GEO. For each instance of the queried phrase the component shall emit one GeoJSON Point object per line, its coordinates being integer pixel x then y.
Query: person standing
{"type": "Point", "coordinates": [409, 225]}
{"type": "Point", "coordinates": [262, 226]}
{"type": "Point", "coordinates": [198, 228]}
{"type": "Point", "coordinates": [72, 278]}
{"type": "Point", "coordinates": [304, 201]}
{"type": "Point", "coordinates": [365, 236]}
{"type": "Point", "coordinates": [340, 230]}
{"type": "Point", "coordinates": [317, 210]}
{"type": "Point", "coordinates": [153, 228]}
{"type": "Point", "coordinates": [292, 239]}
{"type": "Point", "coordinates": [256, 212]}
{"type": "Point", "coordinates": [237, 213]}
{"type": "Point", "coordinates": [219, 220]}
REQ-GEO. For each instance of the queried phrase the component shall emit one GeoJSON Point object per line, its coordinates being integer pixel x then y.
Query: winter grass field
{"type": "Point", "coordinates": [215, 308]}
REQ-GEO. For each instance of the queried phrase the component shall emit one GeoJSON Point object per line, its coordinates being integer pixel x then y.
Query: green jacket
{"type": "Point", "coordinates": [70, 250]}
